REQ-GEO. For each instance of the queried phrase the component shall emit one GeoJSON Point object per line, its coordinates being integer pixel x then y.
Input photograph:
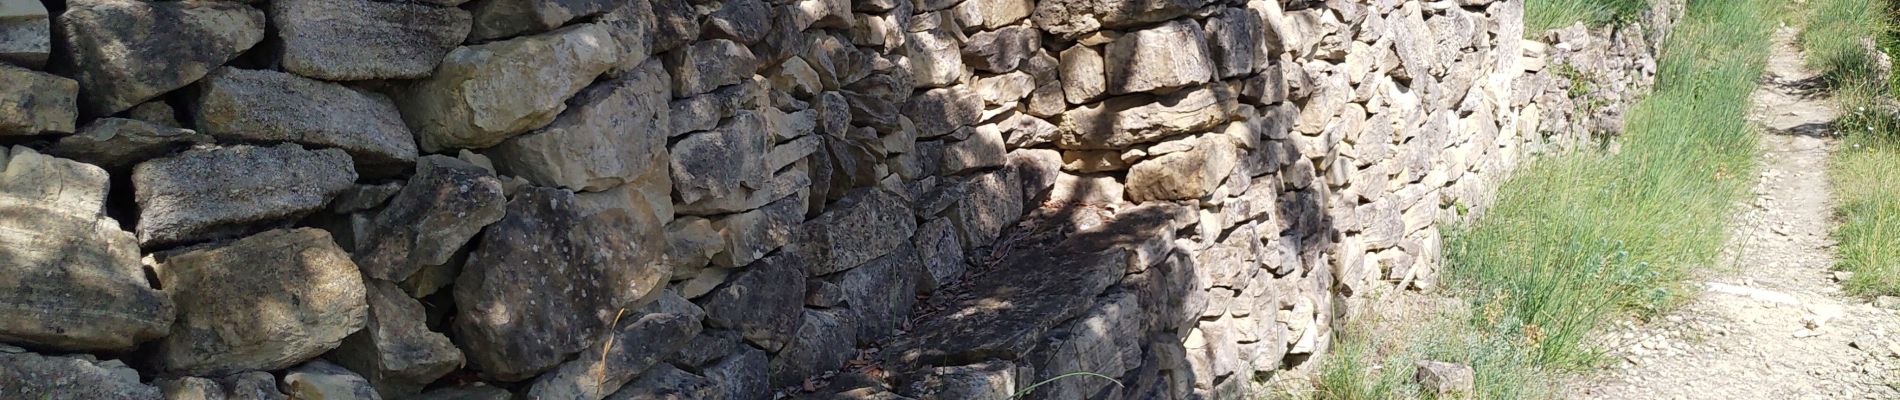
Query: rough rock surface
{"type": "Point", "coordinates": [446, 203]}
{"type": "Point", "coordinates": [503, 18]}
{"type": "Point", "coordinates": [129, 51]}
{"type": "Point", "coordinates": [483, 94]}
{"type": "Point", "coordinates": [37, 102]}
{"type": "Point", "coordinates": [34, 376]}
{"type": "Point", "coordinates": [611, 133]}
{"type": "Point", "coordinates": [396, 352]}
{"type": "Point", "coordinates": [70, 278]}
{"type": "Point", "coordinates": [347, 40]}
{"type": "Point", "coordinates": [1121, 122]}
{"type": "Point", "coordinates": [264, 302]}
{"type": "Point", "coordinates": [207, 193]}
{"type": "Point", "coordinates": [546, 280]}
{"type": "Point", "coordinates": [322, 380]}
{"type": "Point", "coordinates": [267, 106]}
{"type": "Point", "coordinates": [26, 35]}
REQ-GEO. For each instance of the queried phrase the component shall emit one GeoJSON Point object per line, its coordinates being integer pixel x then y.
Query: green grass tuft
{"type": "Point", "coordinates": [1580, 239]}
{"type": "Point", "coordinates": [1543, 15]}
{"type": "Point", "coordinates": [1863, 176]}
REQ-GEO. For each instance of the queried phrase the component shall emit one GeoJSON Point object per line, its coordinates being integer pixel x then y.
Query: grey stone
{"type": "Point", "coordinates": [495, 19]}
{"type": "Point", "coordinates": [941, 252]}
{"type": "Point", "coordinates": [1184, 175]}
{"type": "Point", "coordinates": [34, 376]}
{"type": "Point", "coordinates": [751, 235]}
{"type": "Point", "coordinates": [935, 58]}
{"type": "Point", "coordinates": [837, 62]}
{"type": "Point", "coordinates": [998, 13]}
{"type": "Point", "coordinates": [991, 201]}
{"type": "Point", "coordinates": [1169, 56]}
{"type": "Point", "coordinates": [347, 40]}
{"type": "Point", "coordinates": [361, 197]}
{"type": "Point", "coordinates": [665, 382]}
{"type": "Point", "coordinates": [865, 224]}
{"type": "Point", "coordinates": [37, 102]}
{"type": "Point", "coordinates": [632, 25]}
{"type": "Point", "coordinates": [759, 303]}
{"type": "Point", "coordinates": [880, 292]}
{"type": "Point", "coordinates": [990, 380]}
{"type": "Point", "coordinates": [268, 106]}
{"type": "Point", "coordinates": [251, 304]}
{"type": "Point", "coordinates": [704, 111]}
{"type": "Point", "coordinates": [119, 143]}
{"type": "Point", "coordinates": [872, 111]}
{"type": "Point", "coordinates": [1005, 89]}
{"type": "Point", "coordinates": [1102, 339]}
{"type": "Point", "coordinates": [209, 193]}
{"type": "Point", "coordinates": [1084, 78]}
{"type": "Point", "coordinates": [707, 65]}
{"type": "Point", "coordinates": [441, 207]}
{"type": "Point", "coordinates": [130, 51]}
{"type": "Point", "coordinates": [253, 385]}
{"type": "Point", "coordinates": [548, 278]}
{"type": "Point", "coordinates": [483, 94]}
{"type": "Point", "coordinates": [474, 391]}
{"type": "Point", "coordinates": [26, 35]}
{"type": "Point", "coordinates": [634, 346]}
{"type": "Point", "coordinates": [611, 133]}
{"type": "Point", "coordinates": [322, 380]}
{"type": "Point", "coordinates": [1443, 377]}
{"type": "Point", "coordinates": [1232, 35]}
{"type": "Point", "coordinates": [156, 112]}
{"type": "Point", "coordinates": [1071, 19]}
{"type": "Point", "coordinates": [823, 342]}
{"type": "Point", "coordinates": [944, 110]}
{"type": "Point", "coordinates": [396, 351]}
{"type": "Point", "coordinates": [190, 388]}
{"type": "Point", "coordinates": [723, 161]}
{"type": "Point", "coordinates": [1001, 50]}
{"type": "Point", "coordinates": [744, 21]}
{"type": "Point", "coordinates": [69, 276]}
{"type": "Point", "coordinates": [1121, 122]}
{"type": "Point", "coordinates": [983, 149]}
{"type": "Point", "coordinates": [741, 376]}
{"type": "Point", "coordinates": [676, 24]}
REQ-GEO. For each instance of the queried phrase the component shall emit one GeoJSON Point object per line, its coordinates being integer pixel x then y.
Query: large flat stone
{"type": "Point", "coordinates": [69, 277]}
{"type": "Point", "coordinates": [1168, 56]}
{"type": "Point", "coordinates": [611, 133]}
{"type": "Point", "coordinates": [880, 292]}
{"type": "Point", "coordinates": [209, 193]}
{"type": "Point", "coordinates": [26, 35]}
{"type": "Point", "coordinates": [1184, 175]}
{"type": "Point", "coordinates": [1074, 18]}
{"type": "Point", "coordinates": [759, 302]}
{"type": "Point", "coordinates": [1121, 122]}
{"type": "Point", "coordinates": [864, 225]}
{"type": "Point", "coordinates": [130, 51]}
{"type": "Point", "coordinates": [546, 280]}
{"type": "Point", "coordinates": [267, 106]}
{"type": "Point", "coordinates": [37, 102]}
{"type": "Point", "coordinates": [346, 40]}
{"type": "Point", "coordinates": [486, 93]}
{"type": "Point", "coordinates": [264, 302]}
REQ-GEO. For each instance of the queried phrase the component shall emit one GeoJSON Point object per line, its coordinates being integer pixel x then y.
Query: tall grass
{"type": "Point", "coordinates": [1866, 172]}
{"type": "Point", "coordinates": [1543, 15]}
{"type": "Point", "coordinates": [1577, 240]}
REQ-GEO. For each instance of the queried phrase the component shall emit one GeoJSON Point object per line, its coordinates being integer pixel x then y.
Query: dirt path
{"type": "Point", "coordinates": [1772, 323]}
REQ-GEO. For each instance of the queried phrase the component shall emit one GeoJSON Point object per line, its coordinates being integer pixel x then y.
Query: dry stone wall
{"type": "Point", "coordinates": [740, 199]}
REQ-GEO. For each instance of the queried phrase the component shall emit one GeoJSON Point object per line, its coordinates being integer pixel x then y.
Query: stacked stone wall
{"type": "Point", "coordinates": [737, 199]}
